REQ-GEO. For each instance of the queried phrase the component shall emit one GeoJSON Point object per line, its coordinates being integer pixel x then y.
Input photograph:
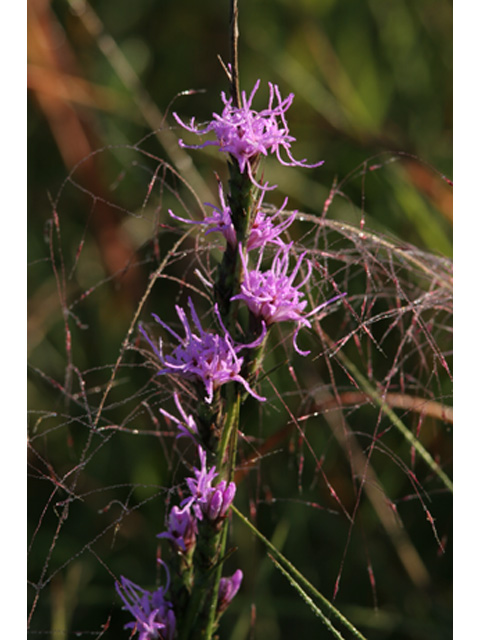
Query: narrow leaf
{"type": "Point", "coordinates": [307, 599]}
{"type": "Point", "coordinates": [308, 586]}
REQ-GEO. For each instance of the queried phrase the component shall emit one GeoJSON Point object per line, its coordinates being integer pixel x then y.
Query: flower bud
{"type": "Point", "coordinates": [227, 589]}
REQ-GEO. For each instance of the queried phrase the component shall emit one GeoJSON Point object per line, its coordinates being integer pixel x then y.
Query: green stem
{"type": "Point", "coordinates": [240, 200]}
{"type": "Point", "coordinates": [227, 449]}
{"type": "Point", "coordinates": [202, 602]}
{"type": "Point", "coordinates": [226, 456]}
{"type": "Point", "coordinates": [200, 619]}
{"type": "Point", "coordinates": [234, 81]}
{"type": "Point", "coordinates": [201, 616]}
{"type": "Point", "coordinates": [212, 617]}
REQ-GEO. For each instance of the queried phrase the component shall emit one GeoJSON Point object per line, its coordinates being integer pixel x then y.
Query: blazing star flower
{"type": "Point", "coordinates": [262, 230]}
{"type": "Point", "coordinates": [272, 295]}
{"type": "Point", "coordinates": [182, 529]}
{"type": "Point", "coordinates": [186, 426]}
{"type": "Point", "coordinates": [228, 589]}
{"type": "Point", "coordinates": [208, 357]}
{"type": "Point", "coordinates": [220, 220]}
{"type": "Point", "coordinates": [245, 134]}
{"type": "Point", "coordinates": [200, 486]}
{"type": "Point", "coordinates": [154, 616]}
{"type": "Point", "coordinates": [219, 500]}
{"type": "Point", "coordinates": [207, 500]}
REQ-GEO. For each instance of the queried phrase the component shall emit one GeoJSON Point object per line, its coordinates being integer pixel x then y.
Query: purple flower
{"type": "Point", "coordinates": [228, 588]}
{"type": "Point", "coordinates": [219, 500]}
{"type": "Point", "coordinates": [200, 486]}
{"type": "Point", "coordinates": [245, 133]}
{"type": "Point", "coordinates": [208, 357]}
{"type": "Point", "coordinates": [207, 500]}
{"type": "Point", "coordinates": [154, 616]}
{"type": "Point", "coordinates": [272, 295]}
{"type": "Point", "coordinates": [220, 220]}
{"type": "Point", "coordinates": [182, 529]}
{"type": "Point", "coordinates": [186, 426]}
{"type": "Point", "coordinates": [261, 232]}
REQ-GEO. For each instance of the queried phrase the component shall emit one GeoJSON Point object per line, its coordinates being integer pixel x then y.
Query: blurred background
{"type": "Point", "coordinates": [373, 98]}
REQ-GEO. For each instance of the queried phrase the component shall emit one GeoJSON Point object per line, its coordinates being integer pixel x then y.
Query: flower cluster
{"type": "Point", "coordinates": [262, 230]}
{"type": "Point", "coordinates": [154, 618]}
{"type": "Point", "coordinates": [246, 134]}
{"type": "Point", "coordinates": [153, 614]}
{"type": "Point", "coordinates": [206, 502]}
{"type": "Point", "coordinates": [182, 529]}
{"type": "Point", "coordinates": [272, 296]}
{"type": "Point", "coordinates": [220, 220]}
{"type": "Point", "coordinates": [207, 357]}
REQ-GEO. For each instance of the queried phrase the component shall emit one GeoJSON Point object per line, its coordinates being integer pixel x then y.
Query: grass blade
{"type": "Point", "coordinates": [293, 572]}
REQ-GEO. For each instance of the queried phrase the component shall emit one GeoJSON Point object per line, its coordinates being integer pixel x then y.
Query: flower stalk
{"type": "Point", "coordinates": [240, 201]}
{"type": "Point", "coordinates": [221, 364]}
